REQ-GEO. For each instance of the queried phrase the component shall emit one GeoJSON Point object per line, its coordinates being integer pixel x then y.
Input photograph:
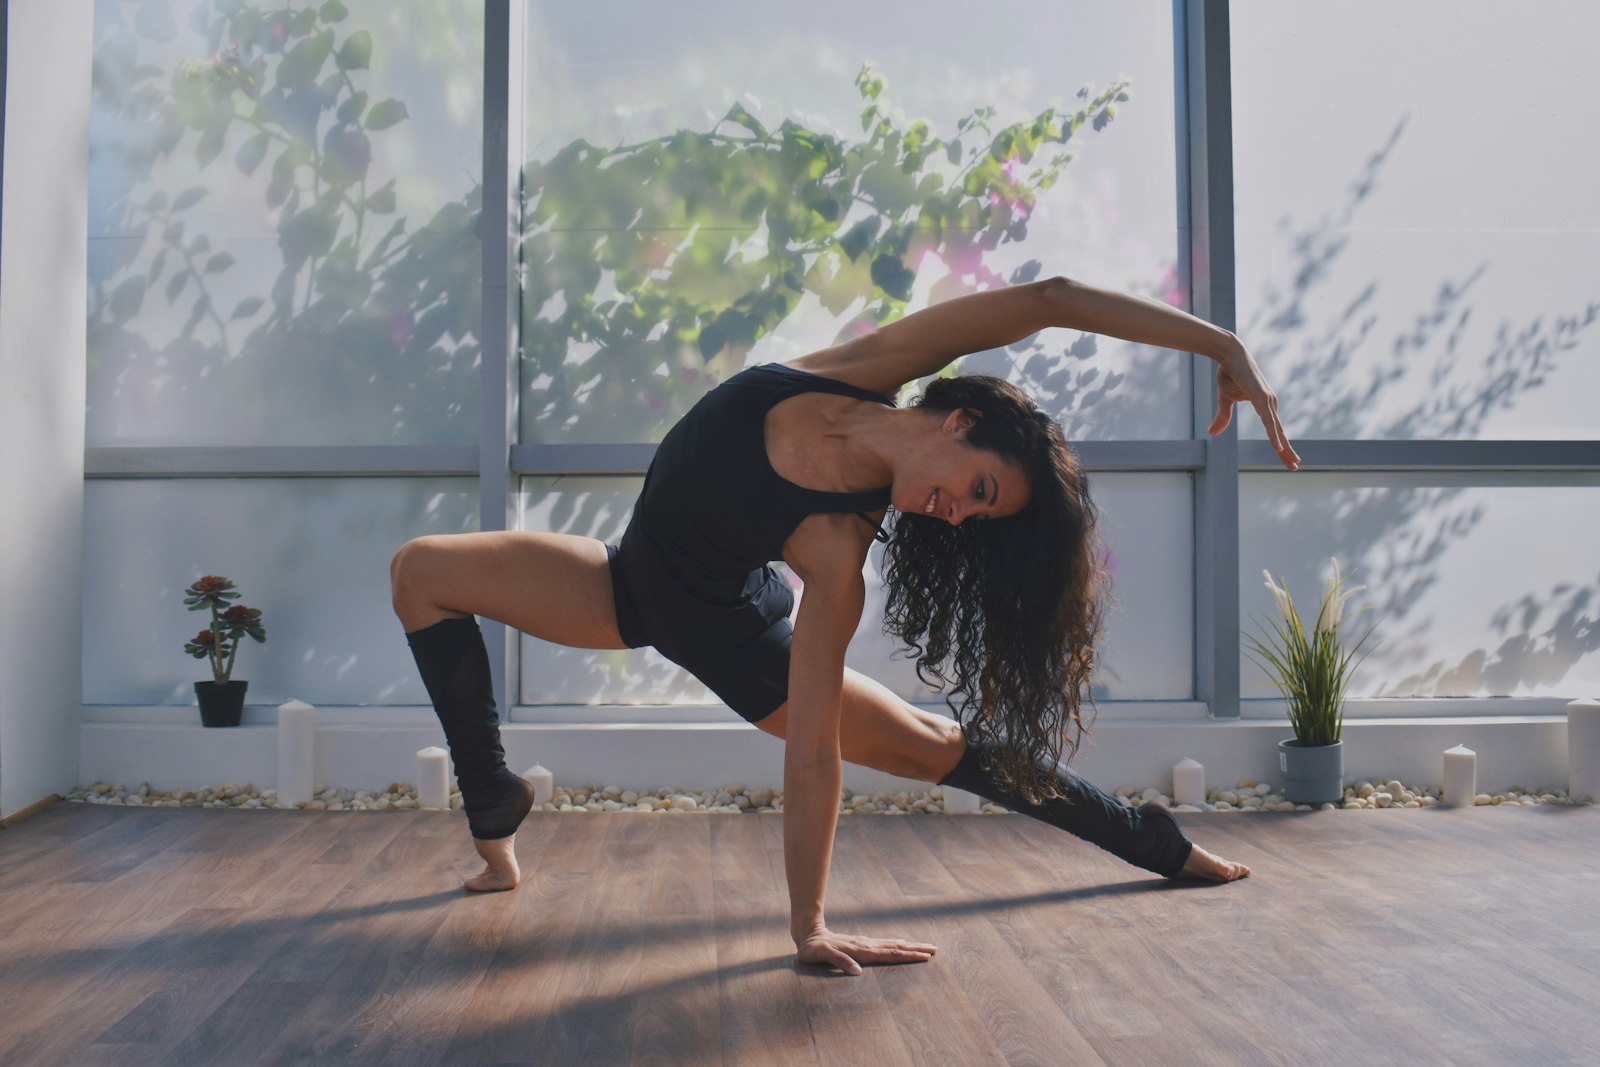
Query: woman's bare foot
{"type": "Point", "coordinates": [500, 870]}
{"type": "Point", "coordinates": [1203, 864]}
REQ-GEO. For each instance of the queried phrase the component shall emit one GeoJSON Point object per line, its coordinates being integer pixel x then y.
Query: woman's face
{"type": "Point", "coordinates": [945, 478]}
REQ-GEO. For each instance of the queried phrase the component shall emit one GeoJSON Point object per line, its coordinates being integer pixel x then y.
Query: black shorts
{"type": "Point", "coordinates": [749, 670]}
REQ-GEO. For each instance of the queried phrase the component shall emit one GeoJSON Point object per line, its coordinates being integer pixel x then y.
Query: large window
{"type": "Point", "coordinates": [1414, 270]}
{"type": "Point", "coordinates": [751, 184]}
{"type": "Point", "coordinates": [285, 279]}
{"type": "Point", "coordinates": [321, 324]}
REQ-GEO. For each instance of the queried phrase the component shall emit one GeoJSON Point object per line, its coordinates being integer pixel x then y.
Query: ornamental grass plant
{"type": "Point", "coordinates": [1312, 669]}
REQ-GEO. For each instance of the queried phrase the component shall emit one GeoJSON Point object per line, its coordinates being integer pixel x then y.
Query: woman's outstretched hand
{"type": "Point", "coordinates": [1239, 379]}
{"type": "Point", "coordinates": [848, 952]}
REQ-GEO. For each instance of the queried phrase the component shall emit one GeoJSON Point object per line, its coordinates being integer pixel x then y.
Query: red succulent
{"type": "Point", "coordinates": [230, 624]}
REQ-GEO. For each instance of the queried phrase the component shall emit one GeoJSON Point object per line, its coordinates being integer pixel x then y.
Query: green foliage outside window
{"type": "Point", "coordinates": [651, 269]}
{"type": "Point", "coordinates": [702, 243]}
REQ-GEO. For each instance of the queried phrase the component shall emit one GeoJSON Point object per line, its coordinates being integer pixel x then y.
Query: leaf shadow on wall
{"type": "Point", "coordinates": [1398, 536]}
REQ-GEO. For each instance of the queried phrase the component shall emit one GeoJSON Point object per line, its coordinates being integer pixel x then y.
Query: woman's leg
{"type": "Point", "coordinates": [549, 585]}
{"type": "Point", "coordinates": [881, 731]}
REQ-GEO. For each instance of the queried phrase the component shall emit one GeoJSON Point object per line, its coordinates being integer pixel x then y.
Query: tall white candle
{"type": "Point", "coordinates": [297, 732]}
{"type": "Point", "coordinates": [1189, 782]}
{"type": "Point", "coordinates": [543, 782]}
{"type": "Point", "coordinates": [1460, 776]}
{"type": "Point", "coordinates": [433, 778]}
{"type": "Point", "coordinates": [1583, 749]}
{"type": "Point", "coordinates": [961, 802]}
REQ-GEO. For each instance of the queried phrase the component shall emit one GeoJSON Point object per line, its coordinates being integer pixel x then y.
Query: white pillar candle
{"type": "Point", "coordinates": [433, 778]}
{"type": "Point", "coordinates": [297, 731]}
{"type": "Point", "coordinates": [543, 782]}
{"type": "Point", "coordinates": [1460, 776]}
{"type": "Point", "coordinates": [1189, 782]}
{"type": "Point", "coordinates": [1583, 749]}
{"type": "Point", "coordinates": [961, 802]}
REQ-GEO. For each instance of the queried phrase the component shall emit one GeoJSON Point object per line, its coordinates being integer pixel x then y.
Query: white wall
{"type": "Point", "coordinates": [42, 300]}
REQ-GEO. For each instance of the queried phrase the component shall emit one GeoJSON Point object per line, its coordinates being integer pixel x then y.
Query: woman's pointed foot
{"type": "Point", "coordinates": [1202, 864]}
{"type": "Point", "coordinates": [500, 870]}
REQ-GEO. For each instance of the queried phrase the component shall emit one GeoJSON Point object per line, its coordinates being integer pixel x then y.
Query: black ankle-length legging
{"type": "Point", "coordinates": [454, 664]}
{"type": "Point", "coordinates": [1146, 837]}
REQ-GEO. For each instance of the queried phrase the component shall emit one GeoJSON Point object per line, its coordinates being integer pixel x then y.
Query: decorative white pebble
{"type": "Point", "coordinates": [735, 798]}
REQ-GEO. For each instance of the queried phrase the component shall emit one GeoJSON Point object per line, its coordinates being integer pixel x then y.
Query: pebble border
{"type": "Point", "coordinates": [1248, 795]}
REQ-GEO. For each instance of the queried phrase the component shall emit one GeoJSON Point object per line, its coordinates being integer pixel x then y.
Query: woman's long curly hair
{"type": "Point", "coordinates": [1005, 612]}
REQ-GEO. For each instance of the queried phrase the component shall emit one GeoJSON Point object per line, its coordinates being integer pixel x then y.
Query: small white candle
{"type": "Point", "coordinates": [961, 802]}
{"type": "Point", "coordinates": [1583, 749]}
{"type": "Point", "coordinates": [433, 778]}
{"type": "Point", "coordinates": [543, 782]}
{"type": "Point", "coordinates": [1189, 782]}
{"type": "Point", "coordinates": [297, 732]}
{"type": "Point", "coordinates": [1460, 776]}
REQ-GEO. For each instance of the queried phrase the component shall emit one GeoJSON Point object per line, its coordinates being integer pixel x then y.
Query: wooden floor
{"type": "Point", "coordinates": [132, 936]}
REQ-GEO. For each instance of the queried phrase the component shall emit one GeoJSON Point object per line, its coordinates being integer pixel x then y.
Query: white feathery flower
{"type": "Point", "coordinates": [1328, 616]}
{"type": "Point", "coordinates": [1343, 599]}
{"type": "Point", "coordinates": [1280, 596]}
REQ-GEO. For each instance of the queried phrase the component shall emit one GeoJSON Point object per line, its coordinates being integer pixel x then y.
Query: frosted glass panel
{"type": "Point", "coordinates": [312, 554]}
{"type": "Point", "coordinates": [1416, 239]}
{"type": "Point", "coordinates": [1147, 652]}
{"type": "Point", "coordinates": [1481, 589]}
{"type": "Point", "coordinates": [714, 184]}
{"type": "Point", "coordinates": [282, 213]}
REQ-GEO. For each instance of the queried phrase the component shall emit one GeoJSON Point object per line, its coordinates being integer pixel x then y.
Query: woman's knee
{"type": "Point", "coordinates": [408, 574]}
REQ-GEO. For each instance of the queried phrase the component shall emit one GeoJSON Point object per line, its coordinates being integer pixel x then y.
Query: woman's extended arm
{"type": "Point", "coordinates": [829, 612]}
{"type": "Point", "coordinates": [826, 551]}
{"type": "Point", "coordinates": [927, 341]}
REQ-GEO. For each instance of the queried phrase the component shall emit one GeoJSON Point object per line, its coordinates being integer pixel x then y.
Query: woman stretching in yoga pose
{"type": "Point", "coordinates": [993, 571]}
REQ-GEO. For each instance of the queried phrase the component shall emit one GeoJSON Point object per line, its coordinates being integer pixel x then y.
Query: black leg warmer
{"type": "Point", "coordinates": [455, 668]}
{"type": "Point", "coordinates": [1146, 837]}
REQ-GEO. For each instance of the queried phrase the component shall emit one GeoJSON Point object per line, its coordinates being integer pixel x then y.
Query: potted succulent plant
{"type": "Point", "coordinates": [221, 699]}
{"type": "Point", "coordinates": [1312, 670]}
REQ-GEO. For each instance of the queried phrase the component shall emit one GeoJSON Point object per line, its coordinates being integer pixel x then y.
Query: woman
{"type": "Point", "coordinates": [993, 571]}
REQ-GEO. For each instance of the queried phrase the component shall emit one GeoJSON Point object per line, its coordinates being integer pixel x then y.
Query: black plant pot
{"type": "Point", "coordinates": [221, 704]}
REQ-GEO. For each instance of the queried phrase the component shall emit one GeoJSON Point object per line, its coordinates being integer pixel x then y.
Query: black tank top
{"type": "Point", "coordinates": [693, 562]}
{"type": "Point", "coordinates": [712, 499]}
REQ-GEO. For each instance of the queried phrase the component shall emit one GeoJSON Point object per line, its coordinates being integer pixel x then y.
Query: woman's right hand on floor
{"type": "Point", "coordinates": [847, 952]}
